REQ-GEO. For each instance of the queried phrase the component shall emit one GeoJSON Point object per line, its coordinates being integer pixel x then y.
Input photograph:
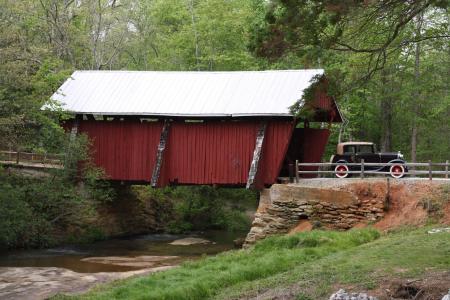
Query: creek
{"type": "Point", "coordinates": [38, 274]}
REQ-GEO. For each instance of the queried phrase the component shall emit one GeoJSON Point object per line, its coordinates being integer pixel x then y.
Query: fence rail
{"type": "Point", "coordinates": [432, 169]}
{"type": "Point", "coordinates": [28, 157]}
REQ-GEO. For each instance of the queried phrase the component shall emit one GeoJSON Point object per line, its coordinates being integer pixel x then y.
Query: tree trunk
{"type": "Point", "coordinates": [194, 28]}
{"type": "Point", "coordinates": [386, 113]}
{"type": "Point", "coordinates": [417, 94]}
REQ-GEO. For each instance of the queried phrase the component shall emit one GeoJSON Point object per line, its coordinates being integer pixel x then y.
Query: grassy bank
{"type": "Point", "coordinates": [407, 253]}
{"type": "Point", "coordinates": [303, 266]}
{"type": "Point", "coordinates": [207, 277]}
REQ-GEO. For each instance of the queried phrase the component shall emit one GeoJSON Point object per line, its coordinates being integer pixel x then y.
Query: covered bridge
{"type": "Point", "coordinates": [224, 128]}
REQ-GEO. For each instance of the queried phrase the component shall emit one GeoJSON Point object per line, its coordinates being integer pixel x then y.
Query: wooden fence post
{"type": "Point", "coordinates": [291, 173]}
{"type": "Point", "coordinates": [387, 199]}
{"type": "Point", "coordinates": [446, 169]}
{"type": "Point", "coordinates": [296, 172]}
{"type": "Point", "coordinates": [430, 171]}
{"type": "Point", "coordinates": [17, 157]}
{"type": "Point", "coordinates": [362, 168]}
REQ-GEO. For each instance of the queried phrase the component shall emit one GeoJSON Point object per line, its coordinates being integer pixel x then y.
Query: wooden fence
{"type": "Point", "coordinates": [362, 169]}
{"type": "Point", "coordinates": [27, 157]}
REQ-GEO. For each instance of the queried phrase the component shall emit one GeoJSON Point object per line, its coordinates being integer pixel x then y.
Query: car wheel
{"type": "Point", "coordinates": [341, 171]}
{"type": "Point", "coordinates": [397, 171]}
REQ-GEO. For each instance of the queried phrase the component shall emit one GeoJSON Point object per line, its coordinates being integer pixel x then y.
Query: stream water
{"type": "Point", "coordinates": [71, 257]}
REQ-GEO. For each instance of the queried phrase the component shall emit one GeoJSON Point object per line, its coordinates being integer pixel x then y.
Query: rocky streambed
{"type": "Point", "coordinates": [39, 274]}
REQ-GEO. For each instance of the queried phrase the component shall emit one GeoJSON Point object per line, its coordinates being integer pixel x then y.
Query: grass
{"type": "Point", "coordinates": [406, 253]}
{"type": "Point", "coordinates": [205, 278]}
{"type": "Point", "coordinates": [308, 264]}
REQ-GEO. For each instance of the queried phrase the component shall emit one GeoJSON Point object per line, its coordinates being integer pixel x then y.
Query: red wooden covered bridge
{"type": "Point", "coordinates": [224, 128]}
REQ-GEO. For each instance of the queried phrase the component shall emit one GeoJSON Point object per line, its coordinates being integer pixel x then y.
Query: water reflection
{"type": "Point", "coordinates": [152, 245]}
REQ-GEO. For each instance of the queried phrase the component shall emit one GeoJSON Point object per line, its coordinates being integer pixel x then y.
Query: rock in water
{"type": "Point", "coordinates": [189, 241]}
{"type": "Point", "coordinates": [144, 261]}
{"type": "Point", "coordinates": [343, 295]}
{"type": "Point", "coordinates": [447, 297]}
{"type": "Point", "coordinates": [238, 242]}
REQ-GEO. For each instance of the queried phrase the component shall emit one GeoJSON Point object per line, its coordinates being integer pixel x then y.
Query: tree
{"type": "Point", "coordinates": [375, 29]}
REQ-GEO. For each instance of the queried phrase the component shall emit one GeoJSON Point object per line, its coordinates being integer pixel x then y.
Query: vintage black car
{"type": "Point", "coordinates": [353, 152]}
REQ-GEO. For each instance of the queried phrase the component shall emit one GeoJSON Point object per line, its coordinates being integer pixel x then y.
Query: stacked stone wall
{"type": "Point", "coordinates": [283, 207]}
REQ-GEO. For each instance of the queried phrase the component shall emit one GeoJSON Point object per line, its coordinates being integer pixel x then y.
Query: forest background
{"type": "Point", "coordinates": [388, 62]}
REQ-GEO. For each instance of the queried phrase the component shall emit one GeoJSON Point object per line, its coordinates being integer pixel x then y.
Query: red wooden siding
{"type": "Point", "coordinates": [213, 152]}
{"type": "Point", "coordinates": [326, 108]}
{"type": "Point", "coordinates": [323, 101]}
{"type": "Point", "coordinates": [221, 152]}
{"type": "Point", "coordinates": [276, 142]}
{"type": "Point", "coordinates": [307, 145]}
{"type": "Point", "coordinates": [125, 150]}
{"type": "Point", "coordinates": [313, 142]}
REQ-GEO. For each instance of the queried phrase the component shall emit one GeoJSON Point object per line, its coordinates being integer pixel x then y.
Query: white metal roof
{"type": "Point", "coordinates": [241, 93]}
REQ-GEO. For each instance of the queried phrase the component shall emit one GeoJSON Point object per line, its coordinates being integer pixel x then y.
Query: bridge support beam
{"type": "Point", "coordinates": [256, 155]}
{"type": "Point", "coordinates": [160, 153]}
{"type": "Point", "coordinates": [74, 129]}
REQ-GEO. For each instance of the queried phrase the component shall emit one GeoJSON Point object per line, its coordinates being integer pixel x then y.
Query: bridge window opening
{"type": "Point", "coordinates": [194, 121]}
{"type": "Point", "coordinates": [148, 120]}
{"type": "Point", "coordinates": [88, 117]}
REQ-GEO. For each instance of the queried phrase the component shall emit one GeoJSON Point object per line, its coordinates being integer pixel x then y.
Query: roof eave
{"type": "Point", "coordinates": [179, 115]}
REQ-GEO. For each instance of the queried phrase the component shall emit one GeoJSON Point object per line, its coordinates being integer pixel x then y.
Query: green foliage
{"type": "Point", "coordinates": [78, 167]}
{"type": "Point", "coordinates": [34, 210]}
{"type": "Point", "coordinates": [202, 207]}
{"type": "Point", "coordinates": [191, 35]}
{"type": "Point", "coordinates": [205, 278]}
{"type": "Point", "coordinates": [89, 234]}
{"type": "Point", "coordinates": [303, 108]}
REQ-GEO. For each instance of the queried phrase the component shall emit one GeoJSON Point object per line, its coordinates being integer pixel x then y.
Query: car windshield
{"type": "Point", "coordinates": [365, 149]}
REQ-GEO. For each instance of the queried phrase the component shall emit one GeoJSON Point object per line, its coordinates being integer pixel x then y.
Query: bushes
{"type": "Point", "coordinates": [40, 212]}
{"type": "Point", "coordinates": [202, 207]}
{"type": "Point", "coordinates": [35, 212]}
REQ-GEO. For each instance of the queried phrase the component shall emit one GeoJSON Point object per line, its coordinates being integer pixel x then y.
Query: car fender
{"type": "Point", "coordinates": [332, 158]}
{"type": "Point", "coordinates": [397, 160]}
{"type": "Point", "coordinates": [341, 161]}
